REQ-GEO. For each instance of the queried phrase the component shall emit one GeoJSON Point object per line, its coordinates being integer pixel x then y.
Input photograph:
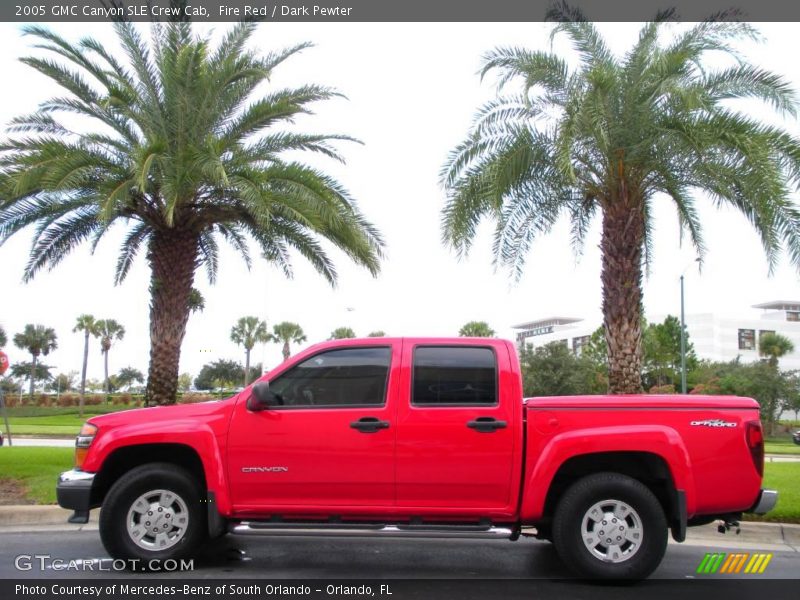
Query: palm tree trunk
{"type": "Point", "coordinates": [246, 366]}
{"type": "Point", "coordinates": [33, 376]}
{"type": "Point", "coordinates": [286, 350]}
{"type": "Point", "coordinates": [173, 259]}
{"type": "Point", "coordinates": [105, 365]}
{"type": "Point", "coordinates": [83, 372]}
{"type": "Point", "coordinates": [623, 236]}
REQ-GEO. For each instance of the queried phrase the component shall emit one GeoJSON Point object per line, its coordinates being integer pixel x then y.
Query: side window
{"type": "Point", "coordinates": [347, 377]}
{"type": "Point", "coordinates": [454, 376]}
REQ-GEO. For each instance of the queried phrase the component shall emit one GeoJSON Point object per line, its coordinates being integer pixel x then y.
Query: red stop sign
{"type": "Point", "coordinates": [3, 362]}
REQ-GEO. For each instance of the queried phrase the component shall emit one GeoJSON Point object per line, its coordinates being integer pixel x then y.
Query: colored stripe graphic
{"type": "Point", "coordinates": [720, 562]}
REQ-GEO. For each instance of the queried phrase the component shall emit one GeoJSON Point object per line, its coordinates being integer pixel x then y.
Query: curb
{"type": "Point", "coordinates": [765, 536]}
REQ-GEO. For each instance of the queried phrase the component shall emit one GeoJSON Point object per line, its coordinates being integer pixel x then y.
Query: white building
{"type": "Point", "coordinates": [714, 337]}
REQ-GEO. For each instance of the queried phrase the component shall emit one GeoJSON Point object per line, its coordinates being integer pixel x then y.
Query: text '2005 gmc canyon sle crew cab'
{"type": "Point", "coordinates": [418, 437]}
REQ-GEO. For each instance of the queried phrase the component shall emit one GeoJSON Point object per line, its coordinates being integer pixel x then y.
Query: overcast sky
{"type": "Point", "coordinates": [412, 90]}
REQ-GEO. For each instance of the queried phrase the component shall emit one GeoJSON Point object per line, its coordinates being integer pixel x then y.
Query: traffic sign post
{"type": "Point", "coordinates": [3, 368]}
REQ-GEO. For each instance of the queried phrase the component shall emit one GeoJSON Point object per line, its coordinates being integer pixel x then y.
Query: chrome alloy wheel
{"type": "Point", "coordinates": [612, 531]}
{"type": "Point", "coordinates": [157, 520]}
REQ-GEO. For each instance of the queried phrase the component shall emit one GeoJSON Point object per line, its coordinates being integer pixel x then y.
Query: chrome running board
{"type": "Point", "coordinates": [264, 528]}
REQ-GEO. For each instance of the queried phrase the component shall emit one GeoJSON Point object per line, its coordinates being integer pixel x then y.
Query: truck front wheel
{"type": "Point", "coordinates": [153, 512]}
{"type": "Point", "coordinates": [610, 526]}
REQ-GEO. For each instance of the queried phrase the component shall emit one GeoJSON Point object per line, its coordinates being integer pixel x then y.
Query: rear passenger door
{"type": "Point", "coordinates": [456, 429]}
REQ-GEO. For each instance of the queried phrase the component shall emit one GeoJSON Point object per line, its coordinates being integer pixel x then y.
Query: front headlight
{"type": "Point", "coordinates": [82, 443]}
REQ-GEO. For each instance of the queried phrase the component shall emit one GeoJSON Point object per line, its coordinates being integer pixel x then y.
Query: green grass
{"type": "Point", "coordinates": [781, 445]}
{"type": "Point", "coordinates": [51, 422]}
{"type": "Point", "coordinates": [784, 477]}
{"type": "Point", "coordinates": [36, 469]}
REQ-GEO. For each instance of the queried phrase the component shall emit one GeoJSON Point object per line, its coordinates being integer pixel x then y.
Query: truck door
{"type": "Point", "coordinates": [457, 428]}
{"type": "Point", "coordinates": [331, 442]}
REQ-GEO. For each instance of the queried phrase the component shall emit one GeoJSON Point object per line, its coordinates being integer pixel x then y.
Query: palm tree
{"type": "Point", "coordinates": [128, 376]}
{"type": "Point", "coordinates": [184, 154]}
{"type": "Point", "coordinates": [3, 337]}
{"type": "Point", "coordinates": [286, 333]}
{"type": "Point", "coordinates": [341, 333]}
{"type": "Point", "coordinates": [39, 341]}
{"type": "Point", "coordinates": [612, 136]}
{"type": "Point", "coordinates": [773, 346]}
{"type": "Point", "coordinates": [248, 332]}
{"type": "Point", "coordinates": [476, 329]}
{"type": "Point", "coordinates": [88, 325]}
{"type": "Point", "coordinates": [108, 330]}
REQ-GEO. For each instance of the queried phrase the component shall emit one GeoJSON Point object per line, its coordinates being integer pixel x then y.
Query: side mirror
{"type": "Point", "coordinates": [260, 397]}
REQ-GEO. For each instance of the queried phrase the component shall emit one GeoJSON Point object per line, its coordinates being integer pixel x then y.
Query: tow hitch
{"type": "Point", "coordinates": [728, 524]}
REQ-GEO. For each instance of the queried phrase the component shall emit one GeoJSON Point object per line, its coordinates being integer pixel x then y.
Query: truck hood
{"type": "Point", "coordinates": [158, 414]}
{"type": "Point", "coordinates": [642, 401]}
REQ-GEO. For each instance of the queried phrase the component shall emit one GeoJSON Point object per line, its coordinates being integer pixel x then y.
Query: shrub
{"type": "Point", "coordinates": [42, 400]}
{"type": "Point", "coordinates": [662, 389]}
{"type": "Point", "coordinates": [191, 398]}
{"type": "Point", "coordinates": [94, 400]}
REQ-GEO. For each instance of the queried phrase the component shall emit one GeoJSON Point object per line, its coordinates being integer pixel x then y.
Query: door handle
{"type": "Point", "coordinates": [369, 424]}
{"type": "Point", "coordinates": [486, 424]}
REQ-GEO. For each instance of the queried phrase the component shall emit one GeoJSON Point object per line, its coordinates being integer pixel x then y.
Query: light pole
{"type": "Point", "coordinates": [683, 343]}
{"type": "Point", "coordinates": [683, 332]}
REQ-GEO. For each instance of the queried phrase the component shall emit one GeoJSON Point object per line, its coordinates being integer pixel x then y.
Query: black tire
{"type": "Point", "coordinates": [621, 559]}
{"type": "Point", "coordinates": [152, 477]}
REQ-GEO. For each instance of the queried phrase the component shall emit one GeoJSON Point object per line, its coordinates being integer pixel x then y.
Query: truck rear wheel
{"type": "Point", "coordinates": [610, 526]}
{"type": "Point", "coordinates": [153, 512]}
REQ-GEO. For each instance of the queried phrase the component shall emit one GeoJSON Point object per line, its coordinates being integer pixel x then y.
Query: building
{"type": "Point", "coordinates": [717, 338]}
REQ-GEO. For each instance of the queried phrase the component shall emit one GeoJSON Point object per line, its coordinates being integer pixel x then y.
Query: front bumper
{"type": "Point", "coordinates": [74, 491]}
{"type": "Point", "coordinates": [767, 499]}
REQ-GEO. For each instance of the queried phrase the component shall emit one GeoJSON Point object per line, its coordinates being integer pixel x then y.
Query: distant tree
{"type": "Point", "coordinates": [88, 325]}
{"type": "Point", "coordinates": [196, 301]}
{"type": "Point", "coordinates": [758, 380]}
{"type": "Point", "coordinates": [127, 376]}
{"type": "Point", "coordinates": [341, 333]}
{"type": "Point", "coordinates": [476, 329]}
{"type": "Point", "coordinates": [38, 340]}
{"type": "Point", "coordinates": [224, 374]}
{"type": "Point", "coordinates": [33, 372]}
{"type": "Point", "coordinates": [285, 333]}
{"type": "Point", "coordinates": [185, 382]}
{"type": "Point", "coordinates": [248, 332]}
{"type": "Point", "coordinates": [773, 346]}
{"type": "Point", "coordinates": [554, 370]}
{"type": "Point", "coordinates": [108, 330]}
{"type": "Point", "coordinates": [596, 349]}
{"type": "Point", "coordinates": [9, 386]}
{"type": "Point", "coordinates": [792, 400]}
{"type": "Point", "coordinates": [3, 337]}
{"type": "Point", "coordinates": [661, 353]}
{"type": "Point", "coordinates": [378, 333]}
{"type": "Point", "coordinates": [63, 382]}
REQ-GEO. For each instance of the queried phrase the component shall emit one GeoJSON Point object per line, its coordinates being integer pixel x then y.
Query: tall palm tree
{"type": "Point", "coordinates": [39, 341]}
{"type": "Point", "coordinates": [773, 346]}
{"type": "Point", "coordinates": [88, 325]}
{"type": "Point", "coordinates": [476, 329]}
{"type": "Point", "coordinates": [108, 330]}
{"type": "Point", "coordinates": [286, 333]}
{"type": "Point", "coordinates": [183, 153]}
{"type": "Point", "coordinates": [610, 137]}
{"type": "Point", "coordinates": [248, 332]}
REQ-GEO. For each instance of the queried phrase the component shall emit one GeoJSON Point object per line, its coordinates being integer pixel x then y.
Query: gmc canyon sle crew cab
{"type": "Point", "coordinates": [420, 438]}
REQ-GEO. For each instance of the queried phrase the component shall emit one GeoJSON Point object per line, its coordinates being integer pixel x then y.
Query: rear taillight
{"type": "Point", "coordinates": [755, 441]}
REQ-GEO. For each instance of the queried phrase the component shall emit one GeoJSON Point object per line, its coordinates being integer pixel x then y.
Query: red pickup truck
{"type": "Point", "coordinates": [417, 437]}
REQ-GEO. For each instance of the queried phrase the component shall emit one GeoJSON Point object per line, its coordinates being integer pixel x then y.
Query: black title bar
{"type": "Point", "coordinates": [333, 11]}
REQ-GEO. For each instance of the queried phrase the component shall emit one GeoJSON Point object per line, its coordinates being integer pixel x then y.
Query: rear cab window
{"type": "Point", "coordinates": [454, 376]}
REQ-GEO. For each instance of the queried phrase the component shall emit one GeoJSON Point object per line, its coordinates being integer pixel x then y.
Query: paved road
{"type": "Point", "coordinates": [320, 558]}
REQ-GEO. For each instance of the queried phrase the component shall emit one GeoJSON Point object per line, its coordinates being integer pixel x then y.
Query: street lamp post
{"type": "Point", "coordinates": [683, 343]}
